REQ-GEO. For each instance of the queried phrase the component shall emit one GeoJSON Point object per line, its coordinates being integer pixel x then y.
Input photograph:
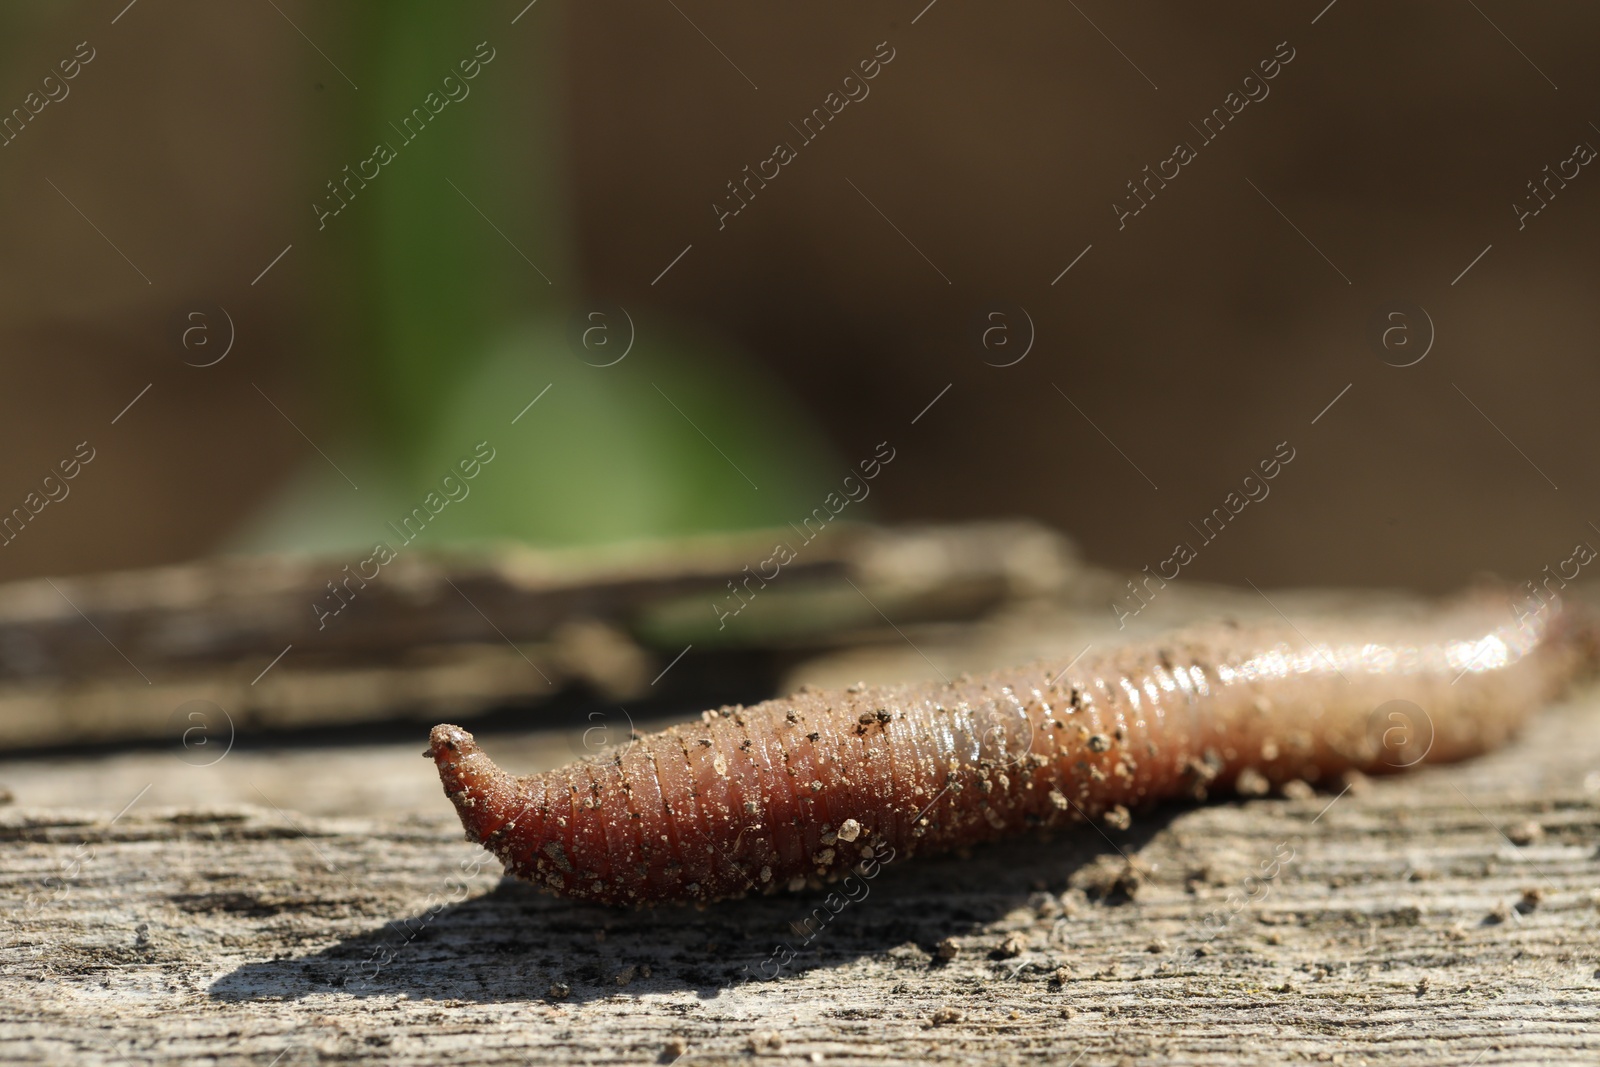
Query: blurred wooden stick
{"type": "Point", "coordinates": [114, 656]}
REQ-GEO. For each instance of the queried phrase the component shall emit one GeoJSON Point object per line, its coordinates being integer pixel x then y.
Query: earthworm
{"type": "Point", "coordinates": [811, 786]}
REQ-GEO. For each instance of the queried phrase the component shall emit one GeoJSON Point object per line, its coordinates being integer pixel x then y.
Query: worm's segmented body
{"type": "Point", "coordinates": [756, 798]}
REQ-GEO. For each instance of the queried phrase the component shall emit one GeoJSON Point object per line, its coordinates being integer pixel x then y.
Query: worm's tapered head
{"type": "Point", "coordinates": [480, 790]}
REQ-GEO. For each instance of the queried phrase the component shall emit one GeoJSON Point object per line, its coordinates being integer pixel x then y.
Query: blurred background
{"type": "Point", "coordinates": [189, 193]}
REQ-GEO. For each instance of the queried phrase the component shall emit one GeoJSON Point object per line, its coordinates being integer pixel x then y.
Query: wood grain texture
{"type": "Point", "coordinates": [1407, 927]}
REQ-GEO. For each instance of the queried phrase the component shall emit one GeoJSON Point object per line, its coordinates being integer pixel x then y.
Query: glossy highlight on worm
{"type": "Point", "coordinates": [811, 786]}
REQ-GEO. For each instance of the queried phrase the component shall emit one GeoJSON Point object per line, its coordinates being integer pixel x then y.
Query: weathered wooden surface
{"type": "Point", "coordinates": [207, 902]}
{"type": "Point", "coordinates": [276, 907]}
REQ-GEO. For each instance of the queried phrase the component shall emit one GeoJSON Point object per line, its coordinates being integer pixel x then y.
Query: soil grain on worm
{"type": "Point", "coordinates": [818, 783]}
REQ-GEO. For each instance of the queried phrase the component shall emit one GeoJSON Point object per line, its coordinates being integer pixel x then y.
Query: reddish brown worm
{"type": "Point", "coordinates": [808, 787]}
